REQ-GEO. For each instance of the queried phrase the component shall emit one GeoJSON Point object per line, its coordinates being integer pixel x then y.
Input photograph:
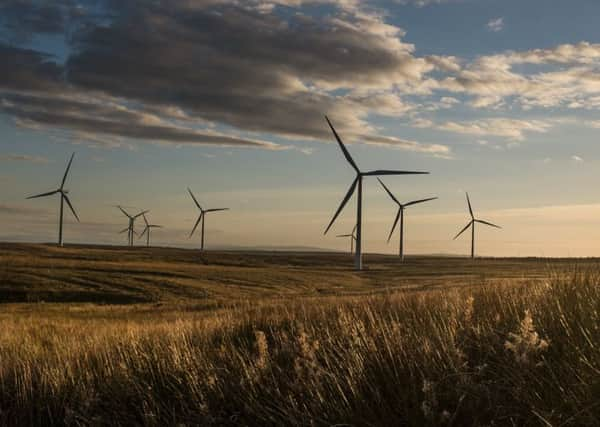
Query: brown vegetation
{"type": "Point", "coordinates": [494, 352]}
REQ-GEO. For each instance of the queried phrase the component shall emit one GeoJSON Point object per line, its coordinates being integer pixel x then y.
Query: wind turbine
{"type": "Point", "coordinates": [130, 228]}
{"type": "Point", "coordinates": [63, 198]}
{"type": "Point", "coordinates": [472, 225]}
{"type": "Point", "coordinates": [352, 239]}
{"type": "Point", "coordinates": [203, 212]}
{"type": "Point", "coordinates": [400, 216]}
{"type": "Point", "coordinates": [147, 229]}
{"type": "Point", "coordinates": [358, 181]}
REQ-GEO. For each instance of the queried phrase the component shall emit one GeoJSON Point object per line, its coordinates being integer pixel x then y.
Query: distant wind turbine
{"type": "Point", "coordinates": [130, 228]}
{"type": "Point", "coordinates": [400, 215]}
{"type": "Point", "coordinates": [203, 213]}
{"type": "Point", "coordinates": [358, 183]}
{"type": "Point", "coordinates": [147, 229]}
{"type": "Point", "coordinates": [472, 225]}
{"type": "Point", "coordinates": [352, 239]}
{"type": "Point", "coordinates": [63, 198]}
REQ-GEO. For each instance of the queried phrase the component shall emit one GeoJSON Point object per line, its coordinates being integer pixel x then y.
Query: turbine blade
{"type": "Point", "coordinates": [155, 226]}
{"type": "Point", "coordinates": [143, 232]}
{"type": "Point", "coordinates": [344, 201]}
{"type": "Point", "coordinates": [197, 222]}
{"type": "Point", "coordinates": [140, 214]}
{"type": "Point", "coordinates": [419, 201]}
{"type": "Point", "coordinates": [71, 206]}
{"type": "Point", "coordinates": [193, 197]}
{"type": "Point", "coordinates": [463, 230]}
{"type": "Point", "coordinates": [342, 146]}
{"type": "Point", "coordinates": [470, 208]}
{"type": "Point", "coordinates": [390, 172]}
{"type": "Point", "coordinates": [49, 193]}
{"type": "Point", "coordinates": [124, 212]}
{"type": "Point", "coordinates": [216, 210]}
{"type": "Point", "coordinates": [389, 192]}
{"type": "Point", "coordinates": [145, 219]}
{"type": "Point", "coordinates": [345, 235]}
{"type": "Point", "coordinates": [487, 223]}
{"type": "Point", "coordinates": [395, 224]}
{"type": "Point", "coordinates": [124, 230]}
{"type": "Point", "coordinates": [62, 184]}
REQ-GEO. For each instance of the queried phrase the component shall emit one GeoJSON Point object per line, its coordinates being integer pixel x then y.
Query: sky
{"type": "Point", "coordinates": [499, 98]}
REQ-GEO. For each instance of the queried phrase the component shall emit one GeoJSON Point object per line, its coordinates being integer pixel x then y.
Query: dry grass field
{"type": "Point", "coordinates": [112, 336]}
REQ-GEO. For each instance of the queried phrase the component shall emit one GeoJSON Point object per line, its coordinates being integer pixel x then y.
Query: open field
{"type": "Point", "coordinates": [33, 273]}
{"type": "Point", "coordinates": [295, 339]}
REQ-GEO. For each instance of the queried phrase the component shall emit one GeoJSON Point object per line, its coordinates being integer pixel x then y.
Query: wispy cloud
{"type": "Point", "coordinates": [23, 158]}
{"type": "Point", "coordinates": [92, 119]}
{"type": "Point", "coordinates": [423, 3]}
{"type": "Point", "coordinates": [569, 78]}
{"type": "Point", "coordinates": [495, 25]}
{"type": "Point", "coordinates": [437, 150]}
{"type": "Point", "coordinates": [510, 129]}
{"type": "Point", "coordinates": [6, 209]}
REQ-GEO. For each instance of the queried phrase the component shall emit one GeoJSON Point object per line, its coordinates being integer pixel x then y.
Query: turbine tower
{"type": "Point", "coordinates": [63, 198]}
{"type": "Point", "coordinates": [203, 213]}
{"type": "Point", "coordinates": [358, 181]}
{"type": "Point", "coordinates": [352, 239]}
{"type": "Point", "coordinates": [130, 228]}
{"type": "Point", "coordinates": [400, 215]}
{"type": "Point", "coordinates": [472, 225]}
{"type": "Point", "coordinates": [147, 229]}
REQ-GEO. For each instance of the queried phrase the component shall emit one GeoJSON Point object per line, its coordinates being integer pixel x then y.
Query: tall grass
{"type": "Point", "coordinates": [494, 355]}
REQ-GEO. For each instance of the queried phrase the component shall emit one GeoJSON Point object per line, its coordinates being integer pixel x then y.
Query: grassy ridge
{"type": "Point", "coordinates": [500, 354]}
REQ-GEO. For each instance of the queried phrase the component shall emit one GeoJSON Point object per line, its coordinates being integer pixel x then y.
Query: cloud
{"type": "Point", "coordinates": [576, 159]}
{"type": "Point", "coordinates": [592, 123]}
{"type": "Point", "coordinates": [564, 76]}
{"type": "Point", "coordinates": [239, 73]}
{"type": "Point", "coordinates": [437, 150]}
{"type": "Point", "coordinates": [254, 71]}
{"type": "Point", "coordinates": [23, 158]}
{"type": "Point", "coordinates": [89, 118]}
{"type": "Point", "coordinates": [511, 129]}
{"type": "Point", "coordinates": [445, 63]}
{"type": "Point", "coordinates": [26, 69]}
{"type": "Point", "coordinates": [495, 25]}
{"type": "Point", "coordinates": [243, 65]}
{"type": "Point", "coordinates": [21, 210]}
{"type": "Point", "coordinates": [423, 3]}
{"type": "Point", "coordinates": [23, 18]}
